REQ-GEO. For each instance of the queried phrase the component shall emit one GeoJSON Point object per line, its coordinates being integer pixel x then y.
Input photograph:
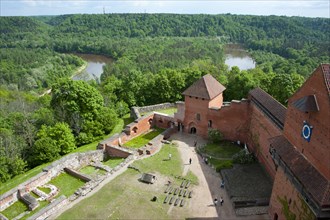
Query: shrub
{"type": "Point", "coordinates": [215, 136]}
{"type": "Point", "coordinates": [243, 158]}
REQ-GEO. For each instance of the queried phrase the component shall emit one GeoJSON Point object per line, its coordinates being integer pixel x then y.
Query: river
{"type": "Point", "coordinates": [237, 56]}
{"type": "Point", "coordinates": [94, 67]}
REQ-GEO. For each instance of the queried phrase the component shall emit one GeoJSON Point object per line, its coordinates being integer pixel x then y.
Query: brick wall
{"type": "Point", "coordinates": [114, 151]}
{"type": "Point", "coordinates": [231, 120]}
{"type": "Point", "coordinates": [163, 120]}
{"type": "Point", "coordinates": [139, 126]}
{"type": "Point", "coordinates": [261, 129]}
{"type": "Point", "coordinates": [284, 193]}
{"type": "Point", "coordinates": [317, 150]}
{"type": "Point", "coordinates": [194, 106]}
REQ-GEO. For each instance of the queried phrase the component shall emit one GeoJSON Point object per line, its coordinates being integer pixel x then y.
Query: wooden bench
{"type": "Point", "coordinates": [183, 184]}
{"type": "Point", "coordinates": [181, 192]}
{"type": "Point", "coordinates": [190, 194]}
{"type": "Point", "coordinates": [172, 200]}
{"type": "Point", "coordinates": [185, 193]}
{"type": "Point", "coordinates": [182, 202]}
{"type": "Point", "coordinates": [187, 185]}
{"type": "Point", "coordinates": [171, 190]}
{"type": "Point", "coordinates": [167, 189]}
{"type": "Point", "coordinates": [166, 199]}
{"type": "Point", "coordinates": [176, 191]}
{"type": "Point", "coordinates": [177, 201]}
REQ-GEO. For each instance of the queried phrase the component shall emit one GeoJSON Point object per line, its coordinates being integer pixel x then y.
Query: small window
{"type": "Point", "coordinates": [198, 116]}
{"type": "Point", "coordinates": [196, 97]}
{"type": "Point", "coordinates": [209, 124]}
{"type": "Point", "coordinates": [189, 96]}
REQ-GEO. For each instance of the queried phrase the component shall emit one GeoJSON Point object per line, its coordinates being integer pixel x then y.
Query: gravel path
{"type": "Point", "coordinates": [209, 183]}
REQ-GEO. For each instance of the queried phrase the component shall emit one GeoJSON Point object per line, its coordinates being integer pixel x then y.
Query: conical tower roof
{"type": "Point", "coordinates": [206, 87]}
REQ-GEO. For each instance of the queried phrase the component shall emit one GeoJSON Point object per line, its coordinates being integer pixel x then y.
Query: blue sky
{"type": "Point", "coordinates": [306, 8]}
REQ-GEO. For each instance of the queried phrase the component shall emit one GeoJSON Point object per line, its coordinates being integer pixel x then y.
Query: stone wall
{"type": "Point", "coordinates": [73, 161]}
{"type": "Point", "coordinates": [50, 209]}
{"type": "Point", "coordinates": [82, 176]}
{"type": "Point", "coordinates": [115, 151]}
{"type": "Point", "coordinates": [136, 111]}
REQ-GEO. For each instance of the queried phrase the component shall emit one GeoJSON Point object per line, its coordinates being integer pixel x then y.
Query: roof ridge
{"type": "Point", "coordinates": [206, 85]}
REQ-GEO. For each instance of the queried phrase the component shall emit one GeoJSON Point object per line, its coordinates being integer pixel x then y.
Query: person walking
{"type": "Point", "coordinates": [189, 160]}
{"type": "Point", "coordinates": [215, 202]}
{"type": "Point", "coordinates": [221, 201]}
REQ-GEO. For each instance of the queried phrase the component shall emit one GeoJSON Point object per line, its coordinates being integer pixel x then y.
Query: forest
{"type": "Point", "coordinates": [155, 58]}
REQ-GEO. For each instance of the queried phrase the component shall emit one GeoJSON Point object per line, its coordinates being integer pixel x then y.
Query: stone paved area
{"type": "Point", "coordinates": [209, 187]}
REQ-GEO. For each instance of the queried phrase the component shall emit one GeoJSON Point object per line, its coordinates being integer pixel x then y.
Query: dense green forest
{"type": "Point", "coordinates": [156, 57]}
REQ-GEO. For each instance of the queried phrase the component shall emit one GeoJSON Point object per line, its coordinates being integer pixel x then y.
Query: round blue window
{"type": "Point", "coordinates": [306, 132]}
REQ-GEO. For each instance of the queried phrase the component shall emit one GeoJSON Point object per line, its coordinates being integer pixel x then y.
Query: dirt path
{"type": "Point", "coordinates": [209, 183]}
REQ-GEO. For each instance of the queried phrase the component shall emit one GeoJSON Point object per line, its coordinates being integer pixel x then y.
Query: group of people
{"type": "Point", "coordinates": [216, 201]}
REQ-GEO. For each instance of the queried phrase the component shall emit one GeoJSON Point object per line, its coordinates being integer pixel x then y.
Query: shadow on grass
{"type": "Point", "coordinates": [127, 120]}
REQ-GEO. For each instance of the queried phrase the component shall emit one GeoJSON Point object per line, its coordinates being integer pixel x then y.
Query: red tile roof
{"type": "Point", "coordinates": [310, 178]}
{"type": "Point", "coordinates": [207, 87]}
{"type": "Point", "coordinates": [275, 110]}
{"type": "Point", "coordinates": [326, 74]}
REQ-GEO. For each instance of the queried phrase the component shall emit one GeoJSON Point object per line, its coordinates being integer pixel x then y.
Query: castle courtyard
{"type": "Point", "coordinates": [199, 206]}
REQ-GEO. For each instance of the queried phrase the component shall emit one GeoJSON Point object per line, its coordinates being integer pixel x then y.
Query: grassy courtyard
{"type": "Point", "coordinates": [126, 192]}
{"type": "Point", "coordinates": [15, 209]}
{"type": "Point", "coordinates": [92, 171]}
{"type": "Point", "coordinates": [220, 154]}
{"type": "Point", "coordinates": [168, 111]}
{"type": "Point", "coordinates": [61, 182]}
{"type": "Point", "coordinates": [143, 139]}
{"type": "Point", "coordinates": [113, 162]}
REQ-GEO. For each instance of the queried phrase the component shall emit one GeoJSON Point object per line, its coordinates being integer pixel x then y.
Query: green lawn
{"type": "Point", "coordinates": [45, 189]}
{"type": "Point", "coordinates": [4, 187]}
{"type": "Point", "coordinates": [168, 111]}
{"type": "Point", "coordinates": [90, 170]}
{"type": "Point", "coordinates": [220, 154]}
{"type": "Point", "coordinates": [15, 209]}
{"type": "Point", "coordinates": [221, 164]}
{"type": "Point", "coordinates": [142, 140]}
{"type": "Point", "coordinates": [66, 184]}
{"type": "Point", "coordinates": [127, 198]}
{"type": "Point", "coordinates": [225, 149]}
{"type": "Point", "coordinates": [113, 162]}
{"type": "Point", "coordinates": [160, 163]}
{"type": "Point", "coordinates": [42, 204]}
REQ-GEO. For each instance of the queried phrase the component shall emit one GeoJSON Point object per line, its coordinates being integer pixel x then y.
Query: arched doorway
{"type": "Point", "coordinates": [275, 216]}
{"type": "Point", "coordinates": [193, 130]}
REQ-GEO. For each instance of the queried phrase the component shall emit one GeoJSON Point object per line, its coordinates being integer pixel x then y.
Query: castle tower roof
{"type": "Point", "coordinates": [206, 87]}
